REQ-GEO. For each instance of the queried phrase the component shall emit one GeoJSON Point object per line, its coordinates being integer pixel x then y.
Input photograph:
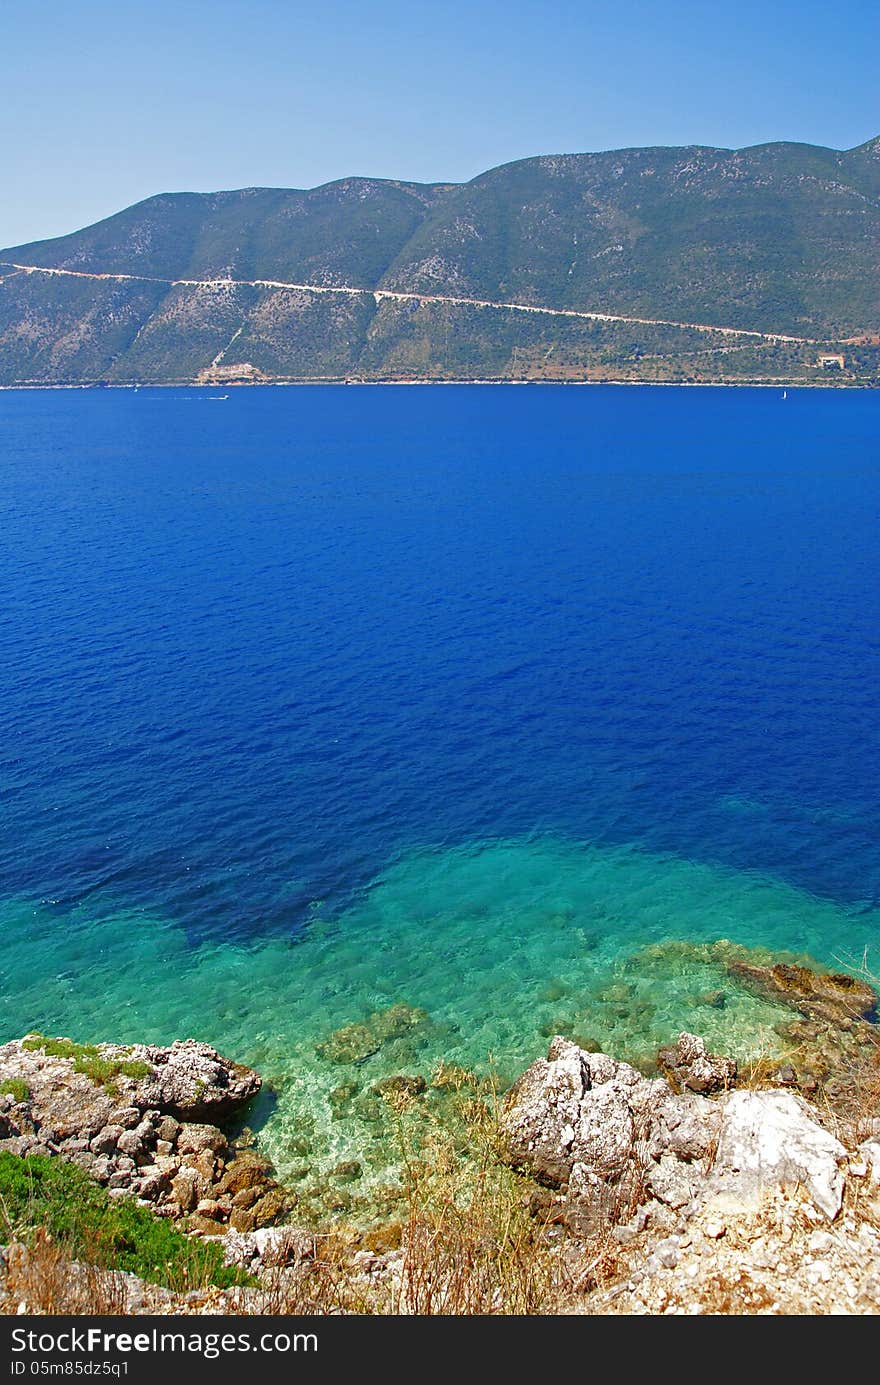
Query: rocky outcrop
{"type": "Point", "coordinates": [141, 1120]}
{"type": "Point", "coordinates": [614, 1145]}
{"type": "Point", "coordinates": [608, 1137]}
{"type": "Point", "coordinates": [192, 1081]}
{"type": "Point", "coordinates": [831, 1036]}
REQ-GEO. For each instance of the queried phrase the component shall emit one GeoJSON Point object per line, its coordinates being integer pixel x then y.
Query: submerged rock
{"type": "Point", "coordinates": [347, 1171]}
{"type": "Point", "coordinates": [829, 996]}
{"type": "Point", "coordinates": [355, 1043]}
{"type": "Point", "coordinates": [400, 1085]}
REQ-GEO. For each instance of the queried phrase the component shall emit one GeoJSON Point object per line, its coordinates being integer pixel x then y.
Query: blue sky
{"type": "Point", "coordinates": [103, 104]}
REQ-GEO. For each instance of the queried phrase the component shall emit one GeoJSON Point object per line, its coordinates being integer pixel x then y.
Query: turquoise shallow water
{"type": "Point", "coordinates": [499, 945]}
{"type": "Point", "coordinates": [493, 704]}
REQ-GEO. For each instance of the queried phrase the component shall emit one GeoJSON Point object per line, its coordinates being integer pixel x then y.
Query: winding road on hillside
{"type": "Point", "coordinates": [397, 296]}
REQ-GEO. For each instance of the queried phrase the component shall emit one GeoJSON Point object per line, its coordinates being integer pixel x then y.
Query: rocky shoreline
{"type": "Point", "coordinates": [699, 1170]}
{"type": "Point", "coordinates": [143, 1121]}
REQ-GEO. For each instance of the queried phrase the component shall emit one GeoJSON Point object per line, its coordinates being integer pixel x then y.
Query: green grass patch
{"type": "Point", "coordinates": [88, 1060]}
{"type": "Point", "coordinates": [16, 1088]}
{"type": "Point", "coordinates": [114, 1233]}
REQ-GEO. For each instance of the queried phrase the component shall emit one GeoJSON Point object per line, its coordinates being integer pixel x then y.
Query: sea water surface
{"type": "Point", "coordinates": [479, 710]}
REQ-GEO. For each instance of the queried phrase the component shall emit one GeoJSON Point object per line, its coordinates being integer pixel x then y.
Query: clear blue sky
{"type": "Point", "coordinates": [105, 103]}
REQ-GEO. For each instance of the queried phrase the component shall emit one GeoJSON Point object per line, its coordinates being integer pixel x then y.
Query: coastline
{"type": "Point", "coordinates": [781, 383]}
{"type": "Point", "coordinates": [752, 1188]}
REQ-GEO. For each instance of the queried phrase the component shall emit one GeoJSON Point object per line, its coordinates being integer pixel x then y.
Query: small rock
{"type": "Point", "coordinates": [242, 1220]}
{"type": "Point", "coordinates": [186, 1189]}
{"type": "Point", "coordinates": [204, 1163]}
{"type": "Point", "coordinates": [130, 1142]}
{"type": "Point", "coordinates": [820, 1242]}
{"type": "Point", "coordinates": [152, 1185]}
{"type": "Point", "coordinates": [819, 1272]}
{"type": "Point", "coordinates": [106, 1139]}
{"type": "Point", "coordinates": [195, 1139]}
{"type": "Point", "coordinates": [347, 1171]}
{"type": "Point", "coordinates": [207, 1225]}
{"type": "Point", "coordinates": [168, 1129]}
{"type": "Point", "coordinates": [270, 1208]}
{"type": "Point", "coordinates": [666, 1253]}
{"type": "Point", "coordinates": [246, 1170]}
{"type": "Point", "coordinates": [691, 1068]}
{"type": "Point", "coordinates": [246, 1197]}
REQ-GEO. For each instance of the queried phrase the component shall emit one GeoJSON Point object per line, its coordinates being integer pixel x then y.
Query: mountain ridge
{"type": "Point", "coordinates": [780, 238]}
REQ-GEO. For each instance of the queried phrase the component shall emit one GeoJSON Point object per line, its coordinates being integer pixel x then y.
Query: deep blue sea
{"type": "Point", "coordinates": [499, 703]}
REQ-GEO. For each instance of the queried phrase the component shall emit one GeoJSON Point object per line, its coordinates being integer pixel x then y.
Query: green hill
{"type": "Point", "coordinates": [776, 239]}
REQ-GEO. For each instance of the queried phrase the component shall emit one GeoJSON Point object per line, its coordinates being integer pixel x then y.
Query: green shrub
{"type": "Point", "coordinates": [115, 1233]}
{"type": "Point", "coordinates": [15, 1087]}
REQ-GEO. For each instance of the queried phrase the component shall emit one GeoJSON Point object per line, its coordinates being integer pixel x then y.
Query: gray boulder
{"type": "Point", "coordinates": [193, 1082]}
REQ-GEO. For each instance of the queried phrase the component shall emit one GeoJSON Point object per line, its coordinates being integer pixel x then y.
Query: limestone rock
{"type": "Point", "coordinates": [247, 1170]}
{"type": "Point", "coordinates": [168, 1130]}
{"type": "Point", "coordinates": [269, 1247]}
{"type": "Point", "coordinates": [77, 1093]}
{"type": "Point", "coordinates": [191, 1080]}
{"type": "Point", "coordinates": [187, 1187]}
{"type": "Point", "coordinates": [199, 1139]}
{"type": "Point", "coordinates": [270, 1208]}
{"type": "Point", "coordinates": [106, 1140]}
{"type": "Point", "coordinates": [598, 1128]}
{"type": "Point", "coordinates": [769, 1139]}
{"type": "Point", "coordinates": [242, 1221]}
{"type": "Point", "coordinates": [246, 1197]}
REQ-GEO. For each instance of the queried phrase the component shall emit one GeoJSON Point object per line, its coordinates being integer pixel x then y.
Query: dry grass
{"type": "Point", "coordinates": [470, 1244]}
{"type": "Point", "coordinates": [42, 1277]}
{"type": "Point", "coordinates": [327, 1282]}
{"type": "Point", "coordinates": [467, 1244]}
